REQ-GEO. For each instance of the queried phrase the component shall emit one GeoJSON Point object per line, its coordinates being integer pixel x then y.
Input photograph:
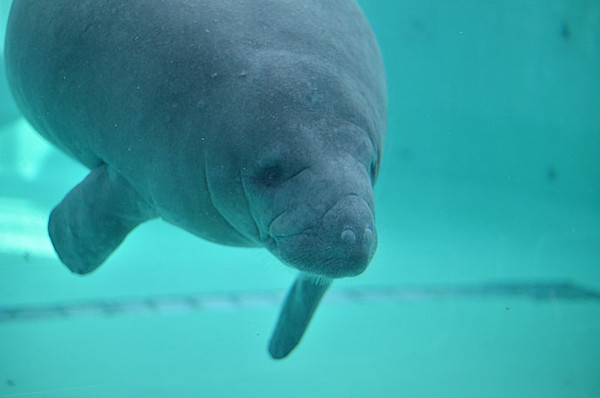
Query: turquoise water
{"type": "Point", "coordinates": [486, 282]}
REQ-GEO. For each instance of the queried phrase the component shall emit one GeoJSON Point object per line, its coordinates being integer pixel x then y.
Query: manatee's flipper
{"type": "Point", "coordinates": [300, 305]}
{"type": "Point", "coordinates": [94, 218]}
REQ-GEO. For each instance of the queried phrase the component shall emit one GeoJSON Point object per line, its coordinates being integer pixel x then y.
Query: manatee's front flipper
{"type": "Point", "coordinates": [94, 218]}
{"type": "Point", "coordinates": [300, 305]}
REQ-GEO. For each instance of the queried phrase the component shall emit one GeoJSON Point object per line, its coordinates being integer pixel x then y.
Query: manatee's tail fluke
{"type": "Point", "coordinates": [94, 218]}
{"type": "Point", "coordinates": [300, 305]}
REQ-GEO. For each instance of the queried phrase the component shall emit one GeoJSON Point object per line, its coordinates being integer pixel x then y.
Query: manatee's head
{"type": "Point", "coordinates": [340, 242]}
{"type": "Point", "coordinates": [306, 161]}
{"type": "Point", "coordinates": [308, 200]}
{"type": "Point", "coordinates": [312, 199]}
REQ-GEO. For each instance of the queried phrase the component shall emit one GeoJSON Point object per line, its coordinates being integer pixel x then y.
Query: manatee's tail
{"type": "Point", "coordinates": [300, 305]}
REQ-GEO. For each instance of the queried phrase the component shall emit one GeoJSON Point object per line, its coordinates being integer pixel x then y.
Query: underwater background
{"type": "Point", "coordinates": [486, 282]}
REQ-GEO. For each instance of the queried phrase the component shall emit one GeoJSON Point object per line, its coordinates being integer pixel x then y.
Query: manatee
{"type": "Point", "coordinates": [247, 123]}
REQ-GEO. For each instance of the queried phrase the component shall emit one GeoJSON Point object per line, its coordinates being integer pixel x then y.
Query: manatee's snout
{"type": "Point", "coordinates": [349, 238]}
{"type": "Point", "coordinates": [341, 244]}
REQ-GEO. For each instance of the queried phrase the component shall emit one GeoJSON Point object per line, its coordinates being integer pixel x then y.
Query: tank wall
{"type": "Point", "coordinates": [500, 93]}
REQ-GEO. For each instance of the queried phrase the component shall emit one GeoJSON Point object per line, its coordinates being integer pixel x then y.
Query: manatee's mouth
{"type": "Point", "coordinates": [304, 251]}
{"type": "Point", "coordinates": [341, 243]}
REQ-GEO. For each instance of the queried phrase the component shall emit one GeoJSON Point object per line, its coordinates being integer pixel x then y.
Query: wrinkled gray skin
{"type": "Point", "coordinates": [247, 123]}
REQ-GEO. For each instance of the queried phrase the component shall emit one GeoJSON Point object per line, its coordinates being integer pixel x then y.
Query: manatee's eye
{"type": "Point", "coordinates": [271, 175]}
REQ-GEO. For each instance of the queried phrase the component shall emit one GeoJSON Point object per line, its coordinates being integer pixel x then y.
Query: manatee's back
{"type": "Point", "coordinates": [95, 77]}
{"type": "Point", "coordinates": [73, 67]}
{"type": "Point", "coordinates": [35, 66]}
{"type": "Point", "coordinates": [91, 75]}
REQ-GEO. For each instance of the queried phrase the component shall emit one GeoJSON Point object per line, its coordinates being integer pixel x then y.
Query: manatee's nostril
{"type": "Point", "coordinates": [368, 235]}
{"type": "Point", "coordinates": [348, 236]}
